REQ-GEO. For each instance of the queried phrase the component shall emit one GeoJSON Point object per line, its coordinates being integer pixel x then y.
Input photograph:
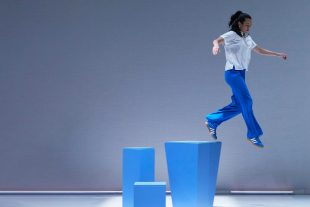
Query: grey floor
{"type": "Point", "coordinates": [116, 201]}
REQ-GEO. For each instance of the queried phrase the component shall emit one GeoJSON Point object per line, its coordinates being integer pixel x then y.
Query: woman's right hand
{"type": "Point", "coordinates": [283, 56]}
{"type": "Point", "coordinates": [215, 50]}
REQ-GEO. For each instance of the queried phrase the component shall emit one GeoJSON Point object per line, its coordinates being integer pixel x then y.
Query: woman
{"type": "Point", "coordinates": [238, 45]}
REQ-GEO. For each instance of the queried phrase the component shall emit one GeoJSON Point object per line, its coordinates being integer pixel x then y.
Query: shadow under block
{"type": "Point", "coordinates": [150, 194]}
{"type": "Point", "coordinates": [138, 166]}
{"type": "Point", "coordinates": [192, 170]}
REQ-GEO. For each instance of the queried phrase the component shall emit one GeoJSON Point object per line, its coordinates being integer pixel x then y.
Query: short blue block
{"type": "Point", "coordinates": [192, 170]}
{"type": "Point", "coordinates": [138, 165]}
{"type": "Point", "coordinates": [150, 194]}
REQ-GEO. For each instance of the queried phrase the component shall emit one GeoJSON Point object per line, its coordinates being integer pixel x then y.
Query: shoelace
{"type": "Point", "coordinates": [212, 131]}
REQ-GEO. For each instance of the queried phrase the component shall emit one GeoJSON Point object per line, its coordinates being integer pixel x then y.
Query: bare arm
{"type": "Point", "coordinates": [216, 45]}
{"type": "Point", "coordinates": [263, 51]}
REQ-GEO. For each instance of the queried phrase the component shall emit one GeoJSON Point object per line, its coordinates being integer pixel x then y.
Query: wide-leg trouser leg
{"type": "Point", "coordinates": [241, 102]}
{"type": "Point", "coordinates": [225, 113]}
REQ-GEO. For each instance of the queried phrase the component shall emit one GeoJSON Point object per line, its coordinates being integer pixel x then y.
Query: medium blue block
{"type": "Point", "coordinates": [138, 165]}
{"type": "Point", "coordinates": [150, 194]}
{"type": "Point", "coordinates": [192, 170]}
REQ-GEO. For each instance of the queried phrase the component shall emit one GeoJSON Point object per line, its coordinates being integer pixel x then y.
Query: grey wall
{"type": "Point", "coordinates": [80, 80]}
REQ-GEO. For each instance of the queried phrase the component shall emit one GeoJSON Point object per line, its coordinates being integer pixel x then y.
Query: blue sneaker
{"type": "Point", "coordinates": [212, 130]}
{"type": "Point", "coordinates": [256, 141]}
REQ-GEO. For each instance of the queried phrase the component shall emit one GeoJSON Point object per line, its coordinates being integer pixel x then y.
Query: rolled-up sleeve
{"type": "Point", "coordinates": [228, 36]}
{"type": "Point", "coordinates": [251, 43]}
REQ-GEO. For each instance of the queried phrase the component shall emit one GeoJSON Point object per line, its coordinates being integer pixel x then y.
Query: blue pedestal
{"type": "Point", "coordinates": [138, 165]}
{"type": "Point", "coordinates": [150, 194]}
{"type": "Point", "coordinates": [192, 169]}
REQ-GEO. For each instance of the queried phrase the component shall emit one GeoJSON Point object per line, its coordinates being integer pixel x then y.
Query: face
{"type": "Point", "coordinates": [245, 27]}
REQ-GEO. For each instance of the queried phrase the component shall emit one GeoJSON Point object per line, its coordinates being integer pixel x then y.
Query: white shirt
{"type": "Point", "coordinates": [237, 50]}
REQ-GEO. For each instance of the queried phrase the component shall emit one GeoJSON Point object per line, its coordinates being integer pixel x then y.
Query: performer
{"type": "Point", "coordinates": [238, 45]}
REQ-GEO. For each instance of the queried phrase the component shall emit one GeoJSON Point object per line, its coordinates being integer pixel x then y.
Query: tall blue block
{"type": "Point", "coordinates": [138, 165]}
{"type": "Point", "coordinates": [192, 170]}
{"type": "Point", "coordinates": [150, 194]}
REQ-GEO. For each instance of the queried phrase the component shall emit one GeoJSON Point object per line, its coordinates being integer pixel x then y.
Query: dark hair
{"type": "Point", "coordinates": [239, 16]}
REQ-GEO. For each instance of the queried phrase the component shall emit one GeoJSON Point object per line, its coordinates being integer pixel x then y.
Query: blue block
{"type": "Point", "coordinates": [150, 194]}
{"type": "Point", "coordinates": [138, 165]}
{"type": "Point", "coordinates": [192, 170]}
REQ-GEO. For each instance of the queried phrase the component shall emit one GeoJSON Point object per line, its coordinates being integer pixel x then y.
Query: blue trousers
{"type": "Point", "coordinates": [241, 102]}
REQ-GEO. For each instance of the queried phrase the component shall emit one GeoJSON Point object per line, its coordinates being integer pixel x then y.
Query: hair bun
{"type": "Point", "coordinates": [238, 12]}
{"type": "Point", "coordinates": [234, 17]}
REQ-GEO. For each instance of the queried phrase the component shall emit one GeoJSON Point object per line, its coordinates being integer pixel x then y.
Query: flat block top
{"type": "Point", "coordinates": [138, 148]}
{"type": "Point", "coordinates": [192, 142]}
{"type": "Point", "coordinates": [150, 183]}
